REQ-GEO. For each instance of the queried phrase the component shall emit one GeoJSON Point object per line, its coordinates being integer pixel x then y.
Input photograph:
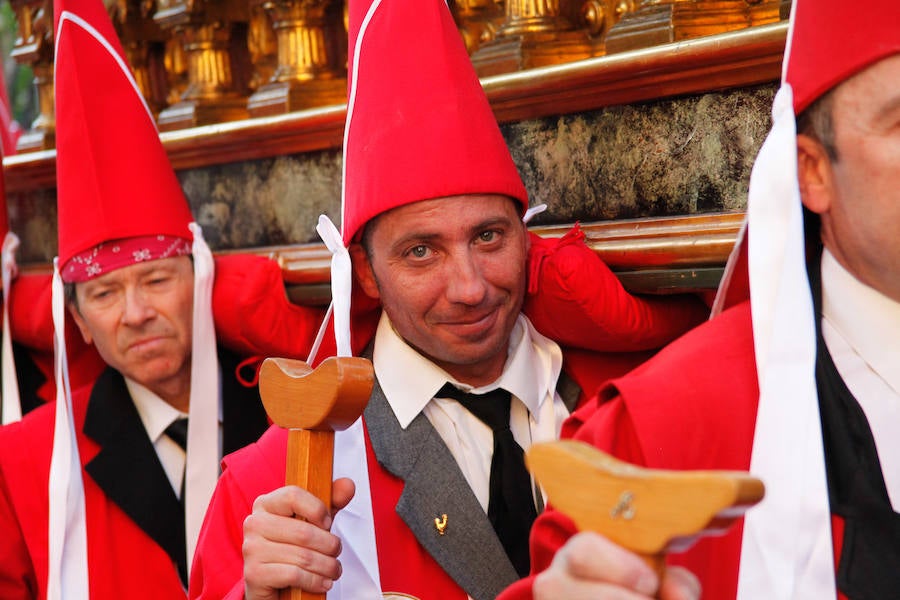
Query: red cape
{"type": "Point", "coordinates": [124, 561]}
{"type": "Point", "coordinates": [670, 414]}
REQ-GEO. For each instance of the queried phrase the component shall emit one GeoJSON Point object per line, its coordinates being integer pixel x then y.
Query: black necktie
{"type": "Point", "coordinates": [177, 431]}
{"type": "Point", "coordinates": [511, 506]}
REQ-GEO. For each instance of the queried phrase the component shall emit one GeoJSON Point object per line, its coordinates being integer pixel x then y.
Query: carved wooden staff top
{"type": "Point", "coordinates": [312, 405]}
{"type": "Point", "coordinates": [646, 511]}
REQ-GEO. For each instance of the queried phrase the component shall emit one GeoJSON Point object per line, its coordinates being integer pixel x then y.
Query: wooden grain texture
{"type": "Point", "coordinates": [648, 511]}
{"type": "Point", "coordinates": [312, 404]}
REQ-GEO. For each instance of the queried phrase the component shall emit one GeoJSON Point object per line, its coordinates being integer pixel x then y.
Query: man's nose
{"type": "Point", "coordinates": [465, 281]}
{"type": "Point", "coordinates": [137, 309]}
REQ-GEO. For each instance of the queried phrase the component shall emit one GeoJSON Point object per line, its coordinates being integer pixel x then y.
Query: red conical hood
{"type": "Point", "coordinates": [114, 179]}
{"type": "Point", "coordinates": [418, 123]}
{"type": "Point", "coordinates": [4, 216]}
{"type": "Point", "coordinates": [830, 41]}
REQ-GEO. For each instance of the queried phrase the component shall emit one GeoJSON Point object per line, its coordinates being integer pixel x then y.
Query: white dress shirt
{"type": "Point", "coordinates": [156, 415]}
{"type": "Point", "coordinates": [861, 328]}
{"type": "Point", "coordinates": [410, 381]}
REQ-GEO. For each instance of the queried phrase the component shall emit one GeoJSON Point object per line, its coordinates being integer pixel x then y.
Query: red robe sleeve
{"type": "Point", "coordinates": [17, 577]}
{"type": "Point", "coordinates": [218, 567]}
{"type": "Point", "coordinates": [253, 314]}
{"type": "Point", "coordinates": [693, 406]}
{"type": "Point", "coordinates": [576, 300]}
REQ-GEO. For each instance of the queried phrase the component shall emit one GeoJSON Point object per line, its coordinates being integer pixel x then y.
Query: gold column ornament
{"type": "Point", "coordinates": [262, 45]}
{"type": "Point", "coordinates": [176, 70]}
{"type": "Point", "coordinates": [144, 43]}
{"type": "Point", "coordinates": [654, 22]}
{"type": "Point", "coordinates": [34, 47]}
{"type": "Point", "coordinates": [477, 21]}
{"type": "Point", "coordinates": [534, 33]}
{"type": "Point", "coordinates": [312, 56]}
{"type": "Point", "coordinates": [213, 37]}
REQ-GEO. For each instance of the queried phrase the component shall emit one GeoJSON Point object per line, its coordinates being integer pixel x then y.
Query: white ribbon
{"type": "Point", "coordinates": [532, 212]}
{"type": "Point", "coordinates": [12, 408]}
{"type": "Point", "coordinates": [341, 282]}
{"type": "Point", "coordinates": [202, 463]}
{"type": "Point", "coordinates": [729, 272]}
{"type": "Point", "coordinates": [314, 351]}
{"type": "Point", "coordinates": [355, 524]}
{"type": "Point", "coordinates": [786, 549]}
{"type": "Point", "coordinates": [67, 575]}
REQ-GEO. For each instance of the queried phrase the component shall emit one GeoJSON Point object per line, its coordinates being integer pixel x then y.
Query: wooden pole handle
{"type": "Point", "coordinates": [310, 462]}
{"type": "Point", "coordinates": [312, 404]}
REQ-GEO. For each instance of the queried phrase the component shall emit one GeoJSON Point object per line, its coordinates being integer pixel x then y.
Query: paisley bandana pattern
{"type": "Point", "coordinates": [116, 254]}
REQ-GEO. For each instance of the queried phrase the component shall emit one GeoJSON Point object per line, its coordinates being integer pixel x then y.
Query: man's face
{"type": "Point", "coordinates": [861, 189]}
{"type": "Point", "coordinates": [139, 317]}
{"type": "Point", "coordinates": [450, 273]}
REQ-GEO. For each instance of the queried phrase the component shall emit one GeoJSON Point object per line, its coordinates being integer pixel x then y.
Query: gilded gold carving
{"type": "Point", "coordinates": [144, 43]}
{"type": "Point", "coordinates": [176, 69]}
{"type": "Point", "coordinates": [599, 16]}
{"type": "Point", "coordinates": [34, 47]}
{"type": "Point", "coordinates": [311, 57]}
{"type": "Point", "coordinates": [653, 22]}
{"type": "Point", "coordinates": [534, 33]}
{"type": "Point", "coordinates": [213, 38]}
{"type": "Point", "coordinates": [262, 45]}
{"type": "Point", "coordinates": [478, 21]}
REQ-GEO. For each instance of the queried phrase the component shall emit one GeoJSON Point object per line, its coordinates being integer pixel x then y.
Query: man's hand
{"type": "Point", "coordinates": [282, 551]}
{"type": "Point", "coordinates": [590, 567]}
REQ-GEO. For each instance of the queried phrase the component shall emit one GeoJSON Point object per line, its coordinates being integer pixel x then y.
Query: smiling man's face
{"type": "Point", "coordinates": [450, 273]}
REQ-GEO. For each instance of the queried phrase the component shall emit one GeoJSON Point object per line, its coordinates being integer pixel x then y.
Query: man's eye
{"type": "Point", "coordinates": [419, 251]}
{"type": "Point", "coordinates": [487, 236]}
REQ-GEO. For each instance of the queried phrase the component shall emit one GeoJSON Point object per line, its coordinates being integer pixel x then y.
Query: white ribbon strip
{"type": "Point", "coordinates": [729, 272]}
{"type": "Point", "coordinates": [202, 464]}
{"type": "Point", "coordinates": [341, 282]}
{"type": "Point", "coordinates": [67, 575]}
{"type": "Point", "coordinates": [786, 550]}
{"type": "Point", "coordinates": [532, 212]}
{"type": "Point", "coordinates": [12, 407]}
{"type": "Point", "coordinates": [317, 343]}
{"type": "Point", "coordinates": [355, 524]}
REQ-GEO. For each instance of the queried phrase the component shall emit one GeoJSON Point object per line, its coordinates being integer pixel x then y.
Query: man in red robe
{"type": "Point", "coordinates": [799, 384]}
{"type": "Point", "coordinates": [433, 232]}
{"type": "Point", "coordinates": [122, 476]}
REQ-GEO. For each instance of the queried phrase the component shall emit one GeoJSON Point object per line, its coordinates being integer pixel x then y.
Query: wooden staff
{"type": "Point", "coordinates": [312, 405]}
{"type": "Point", "coordinates": [646, 511]}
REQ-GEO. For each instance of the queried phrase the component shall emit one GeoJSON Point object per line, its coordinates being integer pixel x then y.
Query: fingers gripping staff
{"type": "Point", "coordinates": [646, 511]}
{"type": "Point", "coordinates": [312, 404]}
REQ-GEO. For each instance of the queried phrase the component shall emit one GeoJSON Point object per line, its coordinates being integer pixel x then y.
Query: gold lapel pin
{"type": "Point", "coordinates": [441, 524]}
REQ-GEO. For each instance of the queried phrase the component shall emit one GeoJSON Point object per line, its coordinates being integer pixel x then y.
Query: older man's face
{"type": "Point", "coordinates": [139, 317]}
{"type": "Point", "coordinates": [861, 218]}
{"type": "Point", "coordinates": [450, 273]}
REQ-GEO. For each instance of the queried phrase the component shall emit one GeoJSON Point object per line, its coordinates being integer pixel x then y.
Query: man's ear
{"type": "Point", "coordinates": [362, 269]}
{"type": "Point", "coordinates": [79, 321]}
{"type": "Point", "coordinates": [814, 174]}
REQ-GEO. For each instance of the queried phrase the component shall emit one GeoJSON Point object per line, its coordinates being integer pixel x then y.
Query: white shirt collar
{"type": "Point", "coordinates": [868, 320]}
{"type": "Point", "coordinates": [156, 414]}
{"type": "Point", "coordinates": [409, 380]}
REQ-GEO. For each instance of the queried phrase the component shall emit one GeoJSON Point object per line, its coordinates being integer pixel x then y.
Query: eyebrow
{"type": "Point", "coordinates": [426, 236]}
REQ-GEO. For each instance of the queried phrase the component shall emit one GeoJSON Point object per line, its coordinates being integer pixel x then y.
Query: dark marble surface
{"type": "Point", "coordinates": [671, 157]}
